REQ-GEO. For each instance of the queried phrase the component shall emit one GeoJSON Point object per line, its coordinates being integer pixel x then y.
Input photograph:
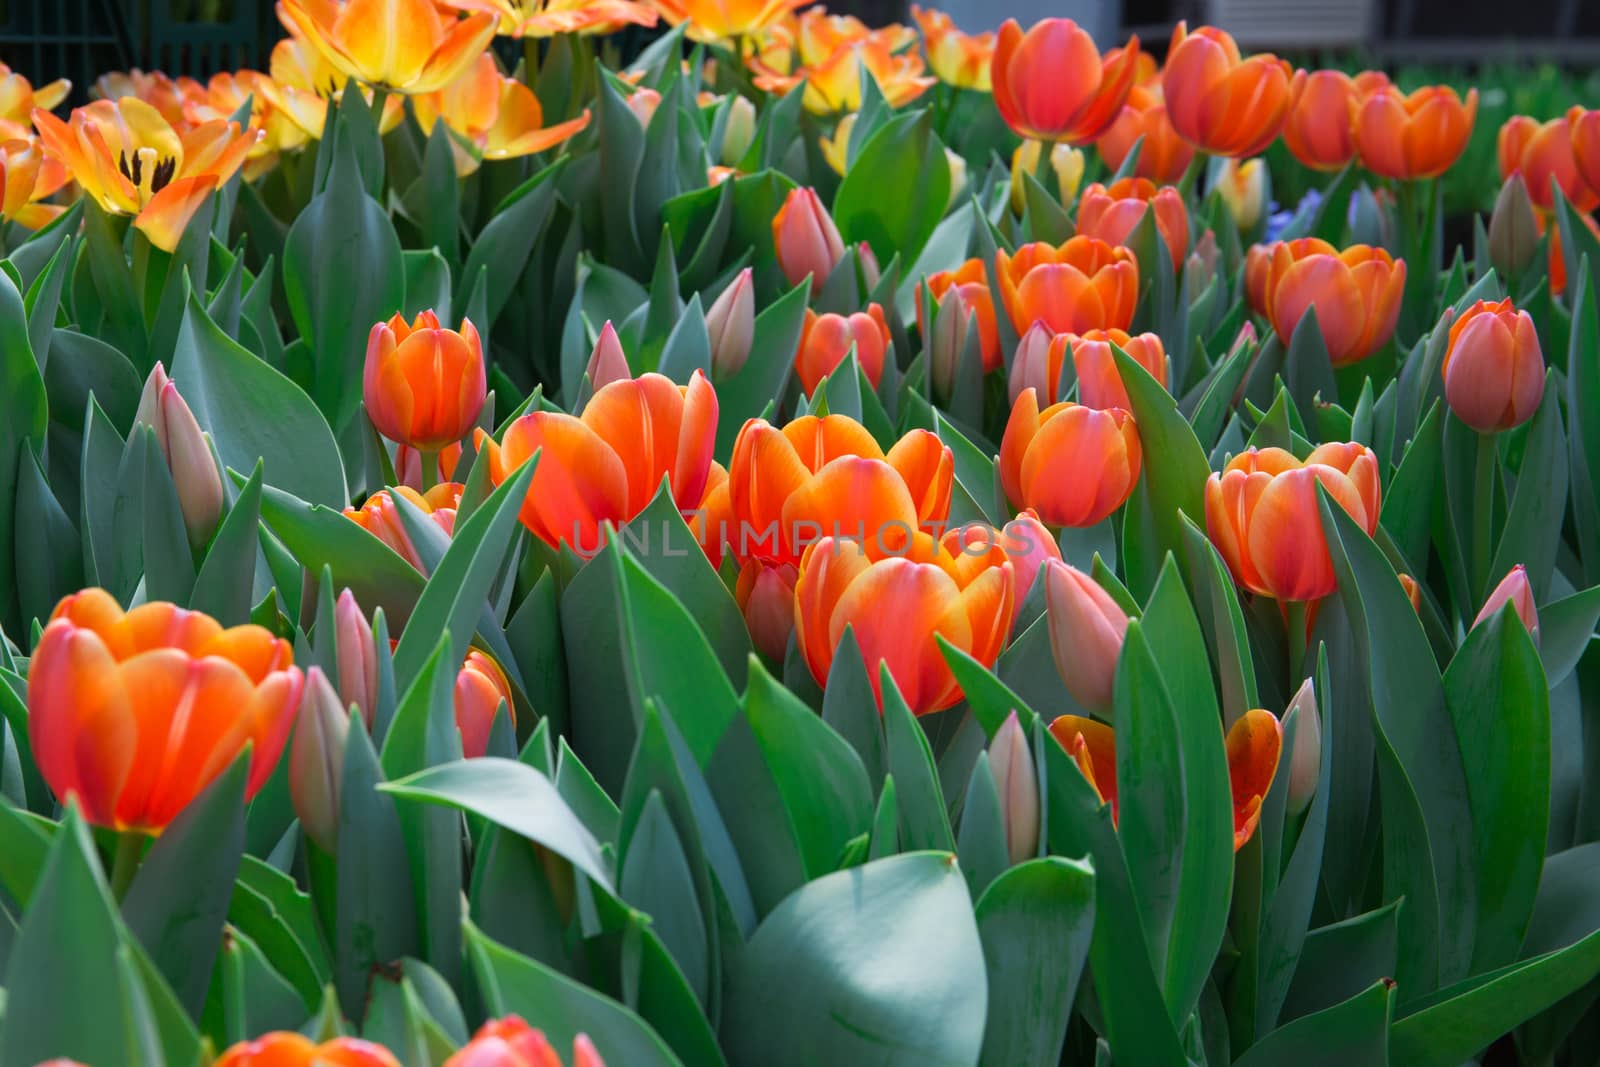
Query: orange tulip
{"type": "Point", "coordinates": [959, 59]}
{"type": "Point", "coordinates": [18, 98]}
{"type": "Point", "coordinates": [1163, 155]}
{"type": "Point", "coordinates": [1556, 260]}
{"type": "Point", "coordinates": [1258, 266]}
{"type": "Point", "coordinates": [510, 1042]}
{"type": "Point", "coordinates": [1493, 368]}
{"type": "Point", "coordinates": [1413, 591]}
{"type": "Point", "coordinates": [1085, 284]}
{"type": "Point", "coordinates": [896, 605]}
{"type": "Point", "coordinates": [424, 386]}
{"type": "Point", "coordinates": [1099, 382]}
{"type": "Point", "coordinates": [1220, 102]}
{"type": "Point", "coordinates": [154, 88]}
{"type": "Point", "coordinates": [132, 161]}
{"type": "Point", "coordinates": [406, 46]}
{"type": "Point", "coordinates": [818, 34]}
{"type": "Point", "coordinates": [970, 282]}
{"type": "Point", "coordinates": [806, 240]}
{"type": "Point", "coordinates": [607, 465]}
{"type": "Point", "coordinates": [721, 20]}
{"type": "Point", "coordinates": [499, 117]}
{"type": "Point", "coordinates": [547, 18]}
{"type": "Point", "coordinates": [380, 516]}
{"type": "Point", "coordinates": [480, 687]}
{"type": "Point", "coordinates": [1052, 83]}
{"type": "Point", "coordinates": [1253, 747]}
{"type": "Point", "coordinates": [1087, 630]}
{"type": "Point", "coordinates": [1583, 131]}
{"type": "Point", "coordinates": [1112, 214]}
{"type": "Point", "coordinates": [1317, 131]}
{"type": "Point", "coordinates": [1072, 464]}
{"type": "Point", "coordinates": [287, 1049]}
{"type": "Point", "coordinates": [1514, 590]}
{"type": "Point", "coordinates": [1262, 514]}
{"type": "Point", "coordinates": [833, 83]}
{"type": "Point", "coordinates": [301, 84]}
{"type": "Point", "coordinates": [827, 477]}
{"type": "Point", "coordinates": [1540, 152]}
{"type": "Point", "coordinates": [766, 596]}
{"type": "Point", "coordinates": [1416, 136]}
{"type": "Point", "coordinates": [712, 523]}
{"type": "Point", "coordinates": [1356, 293]}
{"type": "Point", "coordinates": [28, 176]}
{"type": "Point", "coordinates": [827, 339]}
{"type": "Point", "coordinates": [133, 714]}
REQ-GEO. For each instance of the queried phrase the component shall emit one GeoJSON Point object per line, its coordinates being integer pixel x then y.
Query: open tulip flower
{"type": "Point", "coordinates": [1219, 101]}
{"type": "Point", "coordinates": [1493, 367]}
{"type": "Point", "coordinates": [1163, 155]}
{"type": "Point", "coordinates": [547, 18]}
{"type": "Point", "coordinates": [1412, 136]}
{"type": "Point", "coordinates": [1317, 131]}
{"type": "Point", "coordinates": [1253, 747]}
{"type": "Point", "coordinates": [1052, 84]}
{"type": "Point", "coordinates": [970, 282]}
{"type": "Point", "coordinates": [221, 97]}
{"type": "Point", "coordinates": [285, 1048]}
{"type": "Point", "coordinates": [1113, 213]}
{"type": "Point", "coordinates": [1083, 284]}
{"type": "Point", "coordinates": [133, 713]}
{"type": "Point", "coordinates": [826, 341]}
{"type": "Point", "coordinates": [1262, 514]}
{"type": "Point", "coordinates": [299, 85]}
{"type": "Point", "coordinates": [1542, 152]}
{"type": "Point", "coordinates": [27, 177]}
{"type": "Point", "coordinates": [898, 603]}
{"type": "Point", "coordinates": [18, 98]}
{"type": "Point", "coordinates": [132, 161]}
{"type": "Point", "coordinates": [380, 518]}
{"type": "Point", "coordinates": [721, 20]}
{"type": "Point", "coordinates": [833, 83]}
{"type": "Point", "coordinates": [959, 59]}
{"type": "Point", "coordinates": [607, 465]}
{"type": "Point", "coordinates": [1356, 292]}
{"type": "Point", "coordinates": [405, 46]}
{"type": "Point", "coordinates": [1073, 465]}
{"type": "Point", "coordinates": [497, 116]}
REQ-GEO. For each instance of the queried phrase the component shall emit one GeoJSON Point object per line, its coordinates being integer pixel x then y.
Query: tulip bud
{"type": "Point", "coordinates": [316, 760]}
{"type": "Point", "coordinates": [806, 240]}
{"type": "Point", "coordinates": [1413, 591]}
{"type": "Point", "coordinates": [356, 655]}
{"type": "Point", "coordinates": [1067, 163]}
{"type": "Point", "coordinates": [738, 132]}
{"type": "Point", "coordinates": [1513, 228]}
{"type": "Point", "coordinates": [958, 176]}
{"type": "Point", "coordinates": [1493, 368]}
{"type": "Point", "coordinates": [480, 688]}
{"type": "Point", "coordinates": [1017, 782]}
{"type": "Point", "coordinates": [1305, 762]}
{"type": "Point", "coordinates": [731, 322]}
{"type": "Point", "coordinates": [766, 596]}
{"type": "Point", "coordinates": [186, 451]}
{"type": "Point", "coordinates": [1028, 545]}
{"type": "Point", "coordinates": [643, 104]}
{"type": "Point", "coordinates": [1087, 629]}
{"type": "Point", "coordinates": [1030, 369]}
{"type": "Point", "coordinates": [870, 272]}
{"type": "Point", "coordinates": [944, 347]}
{"type": "Point", "coordinates": [1243, 188]}
{"type": "Point", "coordinates": [1201, 266]}
{"type": "Point", "coordinates": [1515, 590]}
{"type": "Point", "coordinates": [607, 363]}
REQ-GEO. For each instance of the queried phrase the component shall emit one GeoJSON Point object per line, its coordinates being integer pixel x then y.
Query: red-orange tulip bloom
{"type": "Point", "coordinates": [1583, 130]}
{"type": "Point", "coordinates": [1072, 464]}
{"type": "Point", "coordinates": [827, 340]}
{"type": "Point", "coordinates": [287, 1049]}
{"type": "Point", "coordinates": [1493, 368]}
{"type": "Point", "coordinates": [499, 117]}
{"type": "Point", "coordinates": [970, 281]}
{"type": "Point", "coordinates": [1416, 136]}
{"type": "Point", "coordinates": [1052, 84]}
{"type": "Point", "coordinates": [480, 687]}
{"type": "Point", "coordinates": [1540, 152]}
{"type": "Point", "coordinates": [408, 46]}
{"type": "Point", "coordinates": [1556, 260]}
{"type": "Point", "coordinates": [807, 241]}
{"type": "Point", "coordinates": [380, 515]}
{"type": "Point", "coordinates": [896, 605]}
{"type": "Point", "coordinates": [1163, 155]}
{"type": "Point", "coordinates": [959, 59]}
{"type": "Point", "coordinates": [547, 18]}
{"type": "Point", "coordinates": [1258, 266]}
{"type": "Point", "coordinates": [1099, 383]}
{"type": "Point", "coordinates": [1113, 213]}
{"type": "Point", "coordinates": [28, 176]}
{"type": "Point", "coordinates": [1356, 293]}
{"type": "Point", "coordinates": [510, 1042]}
{"type": "Point", "coordinates": [1085, 284]}
{"type": "Point", "coordinates": [826, 476]}
{"type": "Point", "coordinates": [1318, 131]}
{"type": "Point", "coordinates": [766, 596]}
{"type": "Point", "coordinates": [1514, 590]}
{"type": "Point", "coordinates": [607, 465]}
{"type": "Point", "coordinates": [424, 385]}
{"type": "Point", "coordinates": [133, 162]}
{"type": "Point", "coordinates": [1253, 747]}
{"type": "Point", "coordinates": [1220, 102]}
{"type": "Point", "coordinates": [133, 714]}
{"type": "Point", "coordinates": [721, 20]}
{"type": "Point", "coordinates": [1262, 514]}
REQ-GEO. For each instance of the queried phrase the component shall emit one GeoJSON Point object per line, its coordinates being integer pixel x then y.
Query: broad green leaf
{"type": "Point", "coordinates": [1355, 1031]}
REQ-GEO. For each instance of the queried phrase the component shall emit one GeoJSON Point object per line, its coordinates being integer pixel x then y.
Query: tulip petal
{"type": "Point", "coordinates": [1254, 744]}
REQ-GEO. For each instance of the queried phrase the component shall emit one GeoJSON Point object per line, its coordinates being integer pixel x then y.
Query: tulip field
{"type": "Point", "coordinates": [659, 533]}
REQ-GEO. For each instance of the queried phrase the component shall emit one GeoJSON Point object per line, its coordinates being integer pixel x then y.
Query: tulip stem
{"type": "Point", "coordinates": [1294, 617]}
{"type": "Point", "coordinates": [1483, 511]}
{"type": "Point", "coordinates": [1191, 173]}
{"type": "Point", "coordinates": [430, 468]}
{"type": "Point", "coordinates": [125, 862]}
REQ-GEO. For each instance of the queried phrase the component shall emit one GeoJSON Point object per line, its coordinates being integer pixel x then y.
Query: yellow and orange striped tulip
{"type": "Point", "coordinates": [28, 177]}
{"type": "Point", "coordinates": [480, 687]}
{"type": "Point", "coordinates": [405, 46]}
{"type": "Point", "coordinates": [499, 117]}
{"type": "Point", "coordinates": [721, 20]}
{"type": "Point", "coordinates": [547, 18]}
{"type": "Point", "coordinates": [380, 516]}
{"type": "Point", "coordinates": [959, 59]}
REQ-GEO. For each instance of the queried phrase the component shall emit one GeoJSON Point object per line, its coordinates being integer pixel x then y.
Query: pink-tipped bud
{"type": "Point", "coordinates": [643, 104]}
{"type": "Point", "coordinates": [1029, 546]}
{"type": "Point", "coordinates": [481, 687]}
{"type": "Point", "coordinates": [1017, 782]}
{"type": "Point", "coordinates": [316, 760]}
{"type": "Point", "coordinates": [1305, 762]}
{"type": "Point", "coordinates": [807, 242]}
{"type": "Point", "coordinates": [1030, 369]}
{"type": "Point", "coordinates": [187, 453]}
{"type": "Point", "coordinates": [945, 345]}
{"type": "Point", "coordinates": [1087, 629]}
{"type": "Point", "coordinates": [766, 595]}
{"type": "Point", "coordinates": [1515, 590]}
{"type": "Point", "coordinates": [731, 322]}
{"type": "Point", "coordinates": [357, 656]}
{"type": "Point", "coordinates": [871, 274]}
{"type": "Point", "coordinates": [607, 363]}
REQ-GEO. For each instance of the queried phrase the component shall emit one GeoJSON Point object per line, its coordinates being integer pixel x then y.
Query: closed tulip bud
{"type": "Point", "coordinates": [1413, 591]}
{"type": "Point", "coordinates": [1305, 761]}
{"type": "Point", "coordinates": [731, 322]}
{"type": "Point", "coordinates": [807, 241]}
{"type": "Point", "coordinates": [481, 687]}
{"type": "Point", "coordinates": [607, 363]}
{"type": "Point", "coordinates": [958, 176]}
{"type": "Point", "coordinates": [945, 346]}
{"type": "Point", "coordinates": [1052, 84]}
{"type": "Point", "coordinates": [871, 274]}
{"type": "Point", "coordinates": [316, 760]}
{"type": "Point", "coordinates": [1067, 163]}
{"type": "Point", "coordinates": [424, 385]}
{"type": "Point", "coordinates": [1201, 266]}
{"type": "Point", "coordinates": [186, 451]}
{"type": "Point", "coordinates": [1030, 367]}
{"type": "Point", "coordinates": [1514, 590]}
{"type": "Point", "coordinates": [1243, 188]}
{"type": "Point", "coordinates": [1513, 228]}
{"type": "Point", "coordinates": [826, 340]}
{"type": "Point", "coordinates": [356, 655]}
{"type": "Point", "coordinates": [1017, 782]}
{"type": "Point", "coordinates": [738, 132]}
{"type": "Point", "coordinates": [1493, 368]}
{"type": "Point", "coordinates": [1028, 544]}
{"type": "Point", "coordinates": [643, 104]}
{"type": "Point", "coordinates": [1087, 629]}
{"type": "Point", "coordinates": [766, 596]}
{"type": "Point", "coordinates": [1221, 102]}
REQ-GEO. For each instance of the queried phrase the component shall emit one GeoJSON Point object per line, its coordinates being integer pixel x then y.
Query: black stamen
{"type": "Point", "coordinates": [163, 174]}
{"type": "Point", "coordinates": [122, 165]}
